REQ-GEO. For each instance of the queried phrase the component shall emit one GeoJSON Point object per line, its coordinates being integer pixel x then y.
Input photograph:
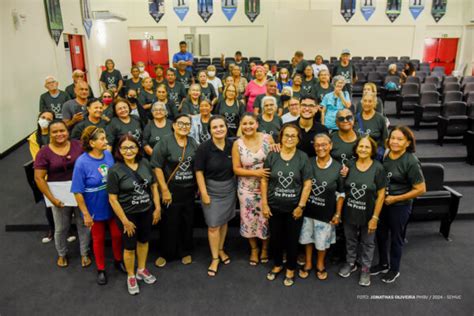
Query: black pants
{"type": "Point", "coordinates": [176, 228]}
{"type": "Point", "coordinates": [143, 222]}
{"type": "Point", "coordinates": [393, 220]}
{"type": "Point", "coordinates": [284, 234]}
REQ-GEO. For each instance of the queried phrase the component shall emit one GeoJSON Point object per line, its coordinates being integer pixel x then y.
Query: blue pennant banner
{"type": "Point", "coordinates": [205, 9]}
{"type": "Point", "coordinates": [416, 6]}
{"type": "Point", "coordinates": [86, 16]}
{"type": "Point", "coordinates": [156, 8]}
{"type": "Point", "coordinates": [181, 8]}
{"type": "Point", "coordinates": [229, 7]}
{"type": "Point", "coordinates": [348, 9]}
{"type": "Point", "coordinates": [367, 7]}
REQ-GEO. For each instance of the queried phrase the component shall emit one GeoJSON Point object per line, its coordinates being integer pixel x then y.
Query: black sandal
{"type": "Point", "coordinates": [253, 262]}
{"type": "Point", "coordinates": [304, 270]}
{"type": "Point", "coordinates": [262, 258]}
{"type": "Point", "coordinates": [211, 272]}
{"type": "Point", "coordinates": [320, 272]}
{"type": "Point", "coordinates": [225, 260]}
{"type": "Point", "coordinates": [273, 275]}
{"type": "Point", "coordinates": [289, 281]}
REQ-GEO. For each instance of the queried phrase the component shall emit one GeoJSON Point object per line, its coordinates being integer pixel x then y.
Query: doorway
{"type": "Point", "coordinates": [152, 52]}
{"type": "Point", "coordinates": [441, 52]}
{"type": "Point", "coordinates": [76, 51]}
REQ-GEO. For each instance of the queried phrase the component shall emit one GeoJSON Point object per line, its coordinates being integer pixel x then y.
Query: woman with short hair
{"type": "Point", "coordinates": [255, 87]}
{"type": "Point", "coordinates": [345, 138]}
{"type": "Point", "coordinates": [335, 101]}
{"type": "Point", "coordinates": [309, 80]}
{"type": "Point", "coordinates": [147, 95]}
{"type": "Point", "coordinates": [240, 81]}
{"type": "Point", "coordinates": [200, 123]}
{"type": "Point", "coordinates": [269, 122]}
{"type": "Point", "coordinates": [122, 123]}
{"type": "Point", "coordinates": [369, 87]}
{"type": "Point", "coordinates": [190, 105]}
{"type": "Point", "coordinates": [231, 109]}
{"type": "Point", "coordinates": [207, 90]}
{"type": "Point", "coordinates": [324, 85]}
{"type": "Point", "coordinates": [111, 78]}
{"type": "Point", "coordinates": [157, 128]}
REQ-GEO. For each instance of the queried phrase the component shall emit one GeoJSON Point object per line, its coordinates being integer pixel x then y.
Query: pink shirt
{"type": "Point", "coordinates": [251, 92]}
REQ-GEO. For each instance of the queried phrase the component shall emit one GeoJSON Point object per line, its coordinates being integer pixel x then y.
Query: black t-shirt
{"type": "Point", "coordinates": [286, 180]}
{"type": "Point", "coordinates": [111, 78]}
{"type": "Point", "coordinates": [152, 134]}
{"type": "Point", "coordinates": [167, 155]}
{"type": "Point", "coordinates": [232, 115]}
{"type": "Point", "coordinates": [325, 184]}
{"type": "Point", "coordinates": [81, 126]}
{"type": "Point", "coordinates": [348, 72]}
{"type": "Point", "coordinates": [306, 143]}
{"type": "Point", "coordinates": [130, 84]}
{"type": "Point", "coordinates": [185, 79]}
{"type": "Point", "coordinates": [361, 193]}
{"type": "Point", "coordinates": [156, 83]}
{"type": "Point", "coordinates": [341, 151]}
{"type": "Point", "coordinates": [55, 104]}
{"type": "Point", "coordinates": [375, 127]}
{"type": "Point", "coordinates": [299, 68]}
{"type": "Point", "coordinates": [145, 97]}
{"type": "Point", "coordinates": [378, 107]}
{"type": "Point", "coordinates": [402, 174]}
{"type": "Point", "coordinates": [320, 92]}
{"type": "Point", "coordinates": [134, 192]}
{"type": "Point", "coordinates": [271, 128]}
{"type": "Point", "coordinates": [189, 108]}
{"type": "Point", "coordinates": [208, 93]}
{"type": "Point", "coordinates": [258, 102]}
{"type": "Point", "coordinates": [308, 87]}
{"type": "Point", "coordinates": [176, 93]}
{"type": "Point", "coordinates": [216, 164]}
{"type": "Point", "coordinates": [70, 91]}
{"type": "Point", "coordinates": [116, 128]}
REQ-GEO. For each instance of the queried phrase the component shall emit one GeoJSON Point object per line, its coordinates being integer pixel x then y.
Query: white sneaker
{"type": "Point", "coordinates": [132, 285]}
{"type": "Point", "coordinates": [146, 276]}
{"type": "Point", "coordinates": [71, 238]}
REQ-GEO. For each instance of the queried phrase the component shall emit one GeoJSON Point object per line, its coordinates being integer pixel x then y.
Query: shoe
{"type": "Point", "coordinates": [120, 266]}
{"type": "Point", "coordinates": [390, 276]}
{"type": "Point", "coordinates": [272, 275]}
{"type": "Point", "coordinates": [303, 273]}
{"type": "Point", "coordinates": [48, 238]}
{"type": "Point", "coordinates": [146, 276]}
{"type": "Point", "coordinates": [253, 251]}
{"type": "Point", "coordinates": [225, 259]}
{"type": "Point", "coordinates": [264, 258]}
{"type": "Point", "coordinates": [101, 277]}
{"type": "Point", "coordinates": [213, 272]}
{"type": "Point", "coordinates": [132, 285]}
{"type": "Point", "coordinates": [301, 260]}
{"type": "Point", "coordinates": [62, 262]}
{"type": "Point", "coordinates": [321, 274]}
{"type": "Point", "coordinates": [289, 281]}
{"type": "Point", "coordinates": [380, 268]}
{"type": "Point", "coordinates": [71, 238]}
{"type": "Point", "coordinates": [364, 279]}
{"type": "Point", "coordinates": [187, 260]}
{"type": "Point", "coordinates": [85, 261]}
{"type": "Point", "coordinates": [346, 270]}
{"type": "Point", "coordinates": [160, 262]}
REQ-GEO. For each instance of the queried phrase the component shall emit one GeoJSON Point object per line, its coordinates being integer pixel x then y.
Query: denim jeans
{"type": "Point", "coordinates": [62, 223]}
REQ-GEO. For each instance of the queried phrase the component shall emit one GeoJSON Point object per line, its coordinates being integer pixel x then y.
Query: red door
{"type": "Point", "coordinates": [431, 48]}
{"type": "Point", "coordinates": [447, 51]}
{"type": "Point", "coordinates": [76, 50]}
{"type": "Point", "coordinates": [151, 52]}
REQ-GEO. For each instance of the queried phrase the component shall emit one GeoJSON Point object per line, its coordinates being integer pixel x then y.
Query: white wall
{"type": "Point", "coordinates": [29, 54]}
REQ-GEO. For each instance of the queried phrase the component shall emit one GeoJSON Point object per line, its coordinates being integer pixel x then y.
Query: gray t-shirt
{"type": "Point", "coordinates": [81, 126]}
{"type": "Point", "coordinates": [72, 107]}
{"type": "Point", "coordinates": [152, 134]}
{"type": "Point", "coordinates": [117, 128]}
{"type": "Point", "coordinates": [376, 128]}
{"type": "Point", "coordinates": [49, 103]}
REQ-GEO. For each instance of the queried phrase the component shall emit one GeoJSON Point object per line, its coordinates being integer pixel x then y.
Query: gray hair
{"type": "Point", "coordinates": [159, 105]}
{"type": "Point", "coordinates": [336, 79]}
{"type": "Point", "coordinates": [288, 89]}
{"type": "Point", "coordinates": [339, 113]}
{"type": "Point", "coordinates": [268, 98]}
{"type": "Point", "coordinates": [323, 135]}
{"type": "Point", "coordinates": [50, 77]}
{"type": "Point", "coordinates": [392, 66]}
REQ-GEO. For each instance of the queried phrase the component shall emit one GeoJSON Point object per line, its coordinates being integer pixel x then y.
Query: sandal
{"type": "Point", "coordinates": [264, 259]}
{"type": "Point", "coordinates": [62, 262]}
{"type": "Point", "coordinates": [289, 281]}
{"type": "Point", "coordinates": [253, 262]}
{"type": "Point", "coordinates": [272, 275]}
{"type": "Point", "coordinates": [85, 261]}
{"type": "Point", "coordinates": [303, 273]}
{"type": "Point", "coordinates": [187, 260]}
{"type": "Point", "coordinates": [212, 272]}
{"type": "Point", "coordinates": [225, 259]}
{"type": "Point", "coordinates": [321, 274]}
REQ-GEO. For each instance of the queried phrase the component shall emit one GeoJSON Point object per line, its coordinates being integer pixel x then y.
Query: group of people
{"type": "Point", "coordinates": [297, 162]}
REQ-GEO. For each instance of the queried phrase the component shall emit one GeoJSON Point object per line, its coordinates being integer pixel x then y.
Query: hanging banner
{"type": "Point", "coordinates": [205, 9]}
{"type": "Point", "coordinates": [55, 19]}
{"type": "Point", "coordinates": [156, 8]}
{"type": "Point", "coordinates": [394, 7]}
{"type": "Point", "coordinates": [181, 8]}
{"type": "Point", "coordinates": [86, 17]}
{"type": "Point", "coordinates": [416, 6]}
{"type": "Point", "coordinates": [438, 9]}
{"type": "Point", "coordinates": [348, 9]}
{"type": "Point", "coordinates": [252, 9]}
{"type": "Point", "coordinates": [367, 7]}
{"type": "Point", "coordinates": [229, 7]}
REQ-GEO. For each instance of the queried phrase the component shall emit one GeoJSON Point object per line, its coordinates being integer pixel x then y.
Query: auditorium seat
{"type": "Point", "coordinates": [409, 98]}
{"type": "Point", "coordinates": [440, 202]}
{"type": "Point", "coordinates": [468, 88]}
{"type": "Point", "coordinates": [356, 58]}
{"type": "Point", "coordinates": [412, 79]}
{"type": "Point", "coordinates": [253, 59]}
{"type": "Point", "coordinates": [358, 86]}
{"type": "Point", "coordinates": [467, 79]}
{"type": "Point", "coordinates": [453, 120]}
{"type": "Point", "coordinates": [469, 141]}
{"type": "Point", "coordinates": [382, 58]}
{"type": "Point", "coordinates": [392, 59]}
{"type": "Point", "coordinates": [375, 78]}
{"type": "Point", "coordinates": [429, 108]}
{"type": "Point", "coordinates": [425, 87]}
{"type": "Point", "coordinates": [369, 58]}
{"type": "Point", "coordinates": [451, 86]}
{"type": "Point", "coordinates": [433, 79]}
{"type": "Point", "coordinates": [452, 96]}
{"type": "Point", "coordinates": [450, 79]}
{"type": "Point", "coordinates": [439, 69]}
{"type": "Point", "coordinates": [422, 75]}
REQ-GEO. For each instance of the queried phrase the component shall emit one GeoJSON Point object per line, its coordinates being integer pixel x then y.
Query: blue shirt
{"type": "Point", "coordinates": [332, 105]}
{"type": "Point", "coordinates": [183, 56]}
{"type": "Point", "coordinates": [90, 179]}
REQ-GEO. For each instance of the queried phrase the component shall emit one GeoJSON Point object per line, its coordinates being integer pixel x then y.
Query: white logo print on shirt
{"type": "Point", "coordinates": [358, 193]}
{"type": "Point", "coordinates": [140, 187]}
{"type": "Point", "coordinates": [318, 189]}
{"type": "Point", "coordinates": [366, 132]}
{"type": "Point", "coordinates": [184, 165]}
{"type": "Point", "coordinates": [285, 181]}
{"type": "Point", "coordinates": [344, 159]}
{"type": "Point", "coordinates": [230, 117]}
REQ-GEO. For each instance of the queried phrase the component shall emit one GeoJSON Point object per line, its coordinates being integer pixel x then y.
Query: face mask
{"type": "Point", "coordinates": [284, 97]}
{"type": "Point", "coordinates": [283, 76]}
{"type": "Point", "coordinates": [141, 69]}
{"type": "Point", "coordinates": [43, 123]}
{"type": "Point", "coordinates": [132, 99]}
{"type": "Point", "coordinates": [107, 100]}
{"type": "Point", "coordinates": [211, 73]}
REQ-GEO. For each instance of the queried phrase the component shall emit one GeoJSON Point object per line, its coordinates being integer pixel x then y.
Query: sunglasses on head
{"type": "Point", "coordinates": [348, 118]}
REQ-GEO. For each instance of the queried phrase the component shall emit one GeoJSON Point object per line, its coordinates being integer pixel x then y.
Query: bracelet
{"type": "Point", "coordinates": [337, 215]}
{"type": "Point", "coordinates": [375, 216]}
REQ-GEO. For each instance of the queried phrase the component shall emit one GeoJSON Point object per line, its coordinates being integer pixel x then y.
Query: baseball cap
{"type": "Point", "coordinates": [346, 52]}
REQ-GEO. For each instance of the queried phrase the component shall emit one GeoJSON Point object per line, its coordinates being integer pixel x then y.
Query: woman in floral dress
{"type": "Point", "coordinates": [248, 154]}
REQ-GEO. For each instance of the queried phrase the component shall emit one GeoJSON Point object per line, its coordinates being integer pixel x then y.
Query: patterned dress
{"type": "Point", "coordinates": [252, 222]}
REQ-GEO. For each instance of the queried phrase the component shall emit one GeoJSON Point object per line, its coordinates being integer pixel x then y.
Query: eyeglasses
{"type": "Point", "coordinates": [158, 110]}
{"type": "Point", "coordinates": [306, 105]}
{"type": "Point", "coordinates": [183, 124]}
{"type": "Point", "coordinates": [323, 146]}
{"type": "Point", "coordinates": [50, 82]}
{"type": "Point", "coordinates": [294, 104]}
{"type": "Point", "coordinates": [348, 118]}
{"type": "Point", "coordinates": [290, 136]}
{"type": "Point", "coordinates": [129, 148]}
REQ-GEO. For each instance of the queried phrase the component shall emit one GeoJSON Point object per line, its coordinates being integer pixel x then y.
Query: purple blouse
{"type": "Point", "coordinates": [58, 168]}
